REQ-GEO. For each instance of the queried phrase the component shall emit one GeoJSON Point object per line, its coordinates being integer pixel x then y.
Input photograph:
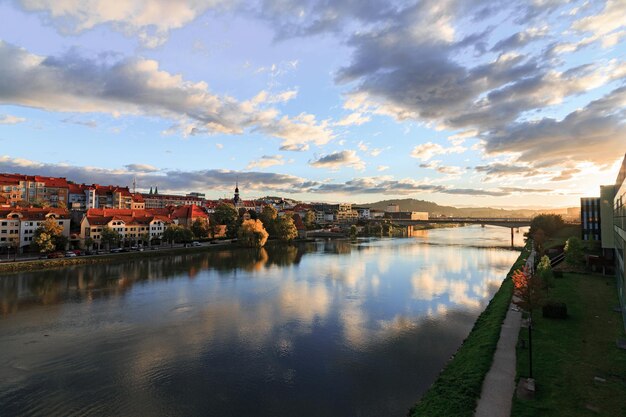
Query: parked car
{"type": "Point", "coordinates": [78, 252]}
{"type": "Point", "coordinates": [195, 244]}
{"type": "Point", "coordinates": [116, 250]}
{"type": "Point", "coordinates": [70, 254]}
{"type": "Point", "coordinates": [53, 255]}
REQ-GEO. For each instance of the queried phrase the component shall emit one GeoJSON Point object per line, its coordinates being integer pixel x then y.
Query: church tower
{"type": "Point", "coordinates": [236, 199]}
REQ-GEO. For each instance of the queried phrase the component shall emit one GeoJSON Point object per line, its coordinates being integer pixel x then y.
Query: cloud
{"type": "Point", "coordinates": [339, 159]}
{"type": "Point", "coordinates": [594, 133]}
{"type": "Point", "coordinates": [353, 119]}
{"type": "Point", "coordinates": [520, 39]}
{"type": "Point", "coordinates": [500, 169]}
{"type": "Point", "coordinates": [86, 123]}
{"type": "Point", "coordinates": [427, 150]}
{"type": "Point", "coordinates": [449, 170]}
{"type": "Point", "coordinates": [382, 168]}
{"type": "Point", "coordinates": [72, 83]}
{"type": "Point", "coordinates": [7, 119]}
{"type": "Point", "coordinates": [608, 25]}
{"type": "Point", "coordinates": [141, 168]}
{"type": "Point", "coordinates": [266, 161]}
{"type": "Point", "coordinates": [566, 174]}
{"type": "Point", "coordinates": [524, 190]}
{"type": "Point", "coordinates": [150, 20]}
{"type": "Point", "coordinates": [167, 181]}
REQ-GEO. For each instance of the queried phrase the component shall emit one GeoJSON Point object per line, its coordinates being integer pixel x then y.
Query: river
{"type": "Point", "coordinates": [329, 328]}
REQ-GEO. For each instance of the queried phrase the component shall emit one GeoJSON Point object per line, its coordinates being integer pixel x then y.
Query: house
{"type": "Point", "coordinates": [18, 224]}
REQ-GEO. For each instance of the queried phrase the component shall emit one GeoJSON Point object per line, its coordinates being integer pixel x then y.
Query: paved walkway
{"type": "Point", "coordinates": [499, 384]}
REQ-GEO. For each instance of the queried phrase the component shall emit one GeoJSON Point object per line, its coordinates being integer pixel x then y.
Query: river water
{"type": "Point", "coordinates": [321, 329]}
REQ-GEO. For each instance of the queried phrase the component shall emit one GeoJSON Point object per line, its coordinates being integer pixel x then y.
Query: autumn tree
{"type": "Point", "coordinates": [170, 232]}
{"type": "Point", "coordinates": [49, 236]}
{"type": "Point", "coordinates": [526, 289]}
{"type": "Point", "coordinates": [252, 234]}
{"type": "Point", "coordinates": [353, 232]}
{"type": "Point", "coordinates": [309, 219]}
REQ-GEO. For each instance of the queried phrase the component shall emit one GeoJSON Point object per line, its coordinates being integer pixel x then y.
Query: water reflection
{"type": "Point", "coordinates": [324, 328]}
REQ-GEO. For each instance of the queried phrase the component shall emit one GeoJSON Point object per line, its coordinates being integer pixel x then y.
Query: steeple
{"type": "Point", "coordinates": [236, 199]}
{"type": "Point", "coordinates": [156, 189]}
{"type": "Point", "coordinates": [150, 190]}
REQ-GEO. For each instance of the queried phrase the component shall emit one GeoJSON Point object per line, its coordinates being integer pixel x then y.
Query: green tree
{"type": "Point", "coordinates": [353, 232]}
{"type": "Point", "coordinates": [574, 255]}
{"type": "Point", "coordinates": [170, 233]}
{"type": "Point", "coordinates": [252, 234]}
{"type": "Point", "coordinates": [549, 223]}
{"type": "Point", "coordinates": [183, 234]}
{"type": "Point", "coordinates": [200, 228]}
{"type": "Point", "coordinates": [109, 236]}
{"type": "Point", "coordinates": [145, 238]}
{"type": "Point", "coordinates": [544, 271]}
{"type": "Point", "coordinates": [285, 228]}
{"type": "Point", "coordinates": [226, 213]}
{"type": "Point", "coordinates": [39, 203]}
{"type": "Point", "coordinates": [268, 216]}
{"type": "Point", "coordinates": [387, 230]}
{"type": "Point", "coordinates": [88, 242]}
{"type": "Point", "coordinates": [49, 236]}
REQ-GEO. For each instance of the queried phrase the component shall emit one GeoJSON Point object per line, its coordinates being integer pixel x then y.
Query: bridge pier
{"type": "Point", "coordinates": [512, 245]}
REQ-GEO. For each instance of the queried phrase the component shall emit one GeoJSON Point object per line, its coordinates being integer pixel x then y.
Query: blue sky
{"type": "Point", "coordinates": [464, 103]}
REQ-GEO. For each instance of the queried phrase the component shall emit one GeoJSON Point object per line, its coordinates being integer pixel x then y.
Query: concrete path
{"type": "Point", "coordinates": [499, 384]}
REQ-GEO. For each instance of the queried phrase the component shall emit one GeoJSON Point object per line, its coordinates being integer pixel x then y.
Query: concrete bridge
{"type": "Point", "coordinates": [511, 223]}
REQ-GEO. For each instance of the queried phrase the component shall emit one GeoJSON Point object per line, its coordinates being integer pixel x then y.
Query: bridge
{"type": "Point", "coordinates": [511, 223]}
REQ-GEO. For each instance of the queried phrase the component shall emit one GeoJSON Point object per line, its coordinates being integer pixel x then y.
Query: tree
{"type": "Point", "coordinates": [183, 234]}
{"type": "Point", "coordinates": [539, 239]}
{"type": "Point", "coordinates": [39, 203]}
{"type": "Point", "coordinates": [49, 236]}
{"type": "Point", "coordinates": [268, 217]}
{"type": "Point", "coordinates": [109, 236]}
{"type": "Point", "coordinates": [309, 219]}
{"type": "Point", "coordinates": [544, 271]}
{"type": "Point", "coordinates": [353, 232]}
{"type": "Point", "coordinates": [170, 232]}
{"type": "Point", "coordinates": [549, 223]}
{"type": "Point", "coordinates": [200, 228]}
{"type": "Point", "coordinates": [88, 242]}
{"type": "Point", "coordinates": [574, 255]}
{"type": "Point", "coordinates": [226, 213]}
{"type": "Point", "coordinates": [252, 234]}
{"type": "Point", "coordinates": [145, 238]}
{"type": "Point", "coordinates": [526, 287]}
{"type": "Point", "coordinates": [285, 228]}
{"type": "Point", "coordinates": [61, 204]}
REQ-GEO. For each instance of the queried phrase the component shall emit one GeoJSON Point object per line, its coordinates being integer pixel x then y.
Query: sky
{"type": "Point", "coordinates": [464, 103]}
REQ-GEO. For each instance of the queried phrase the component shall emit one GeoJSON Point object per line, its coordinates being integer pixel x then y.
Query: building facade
{"type": "Point", "coordinates": [619, 235]}
{"type": "Point", "coordinates": [590, 218]}
{"type": "Point", "coordinates": [18, 225]}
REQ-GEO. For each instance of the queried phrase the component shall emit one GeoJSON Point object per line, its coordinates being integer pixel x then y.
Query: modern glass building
{"type": "Point", "coordinates": [590, 218]}
{"type": "Point", "coordinates": [619, 225]}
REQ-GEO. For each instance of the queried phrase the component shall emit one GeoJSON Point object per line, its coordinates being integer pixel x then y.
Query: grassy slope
{"type": "Point", "coordinates": [458, 387]}
{"type": "Point", "coordinates": [568, 354]}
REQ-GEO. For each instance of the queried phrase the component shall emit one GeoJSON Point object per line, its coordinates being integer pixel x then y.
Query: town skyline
{"type": "Point", "coordinates": [517, 104]}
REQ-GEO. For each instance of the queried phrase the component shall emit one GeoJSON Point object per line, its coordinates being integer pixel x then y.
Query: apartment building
{"type": "Point", "coordinates": [155, 201]}
{"type": "Point", "coordinates": [34, 188]}
{"type": "Point", "coordinates": [84, 197]}
{"type": "Point", "coordinates": [133, 225]}
{"type": "Point", "coordinates": [19, 224]}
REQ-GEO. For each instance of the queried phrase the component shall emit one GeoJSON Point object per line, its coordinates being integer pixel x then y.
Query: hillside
{"type": "Point", "coordinates": [434, 209]}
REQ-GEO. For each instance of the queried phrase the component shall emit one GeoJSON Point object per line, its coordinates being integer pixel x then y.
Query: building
{"type": "Point", "coordinates": [607, 193]}
{"type": "Point", "coordinates": [619, 234]}
{"type": "Point", "coordinates": [34, 189]}
{"type": "Point", "coordinates": [590, 218]}
{"type": "Point", "coordinates": [408, 215]}
{"type": "Point", "coordinates": [18, 224]}
{"type": "Point", "coordinates": [83, 197]}
{"type": "Point", "coordinates": [392, 208]}
{"type": "Point", "coordinates": [156, 201]}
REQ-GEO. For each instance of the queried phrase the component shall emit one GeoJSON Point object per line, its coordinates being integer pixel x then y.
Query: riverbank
{"type": "Point", "coordinates": [577, 366]}
{"type": "Point", "coordinates": [38, 264]}
{"type": "Point", "coordinates": [458, 387]}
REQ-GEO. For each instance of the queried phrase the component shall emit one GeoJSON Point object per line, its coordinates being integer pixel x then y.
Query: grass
{"type": "Point", "coordinates": [456, 390]}
{"type": "Point", "coordinates": [569, 354]}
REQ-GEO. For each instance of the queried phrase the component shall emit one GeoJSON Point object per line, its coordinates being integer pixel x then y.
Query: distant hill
{"type": "Point", "coordinates": [434, 209]}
